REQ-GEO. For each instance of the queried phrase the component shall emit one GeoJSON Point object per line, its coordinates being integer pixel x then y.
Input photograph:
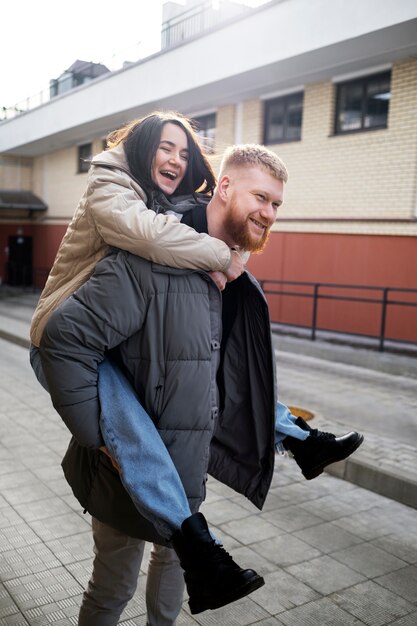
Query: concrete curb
{"type": "Point", "coordinates": [20, 341]}
{"type": "Point", "coordinates": [376, 479]}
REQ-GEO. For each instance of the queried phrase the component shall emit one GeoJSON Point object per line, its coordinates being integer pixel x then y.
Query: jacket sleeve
{"type": "Point", "coordinates": [122, 219]}
{"type": "Point", "coordinates": [107, 309]}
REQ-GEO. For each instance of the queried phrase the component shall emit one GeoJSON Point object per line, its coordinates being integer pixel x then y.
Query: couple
{"type": "Point", "coordinates": [189, 329]}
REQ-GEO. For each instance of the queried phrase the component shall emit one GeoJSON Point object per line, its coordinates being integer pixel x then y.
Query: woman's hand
{"type": "Point", "coordinates": [113, 461]}
{"type": "Point", "coordinates": [219, 278]}
{"type": "Point", "coordinates": [236, 267]}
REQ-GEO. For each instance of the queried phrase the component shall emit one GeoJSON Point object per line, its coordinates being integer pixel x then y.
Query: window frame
{"type": "Point", "coordinates": [364, 82]}
{"type": "Point", "coordinates": [208, 143]}
{"type": "Point", "coordinates": [84, 165]}
{"type": "Point", "coordinates": [285, 99]}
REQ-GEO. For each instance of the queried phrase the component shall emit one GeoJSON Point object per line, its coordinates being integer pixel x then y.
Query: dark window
{"type": "Point", "coordinates": [85, 154]}
{"type": "Point", "coordinates": [362, 104]}
{"type": "Point", "coordinates": [206, 130]}
{"type": "Point", "coordinates": [283, 118]}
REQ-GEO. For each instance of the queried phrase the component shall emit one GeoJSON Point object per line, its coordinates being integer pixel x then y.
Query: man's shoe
{"type": "Point", "coordinates": [213, 579]}
{"type": "Point", "coordinates": [320, 449]}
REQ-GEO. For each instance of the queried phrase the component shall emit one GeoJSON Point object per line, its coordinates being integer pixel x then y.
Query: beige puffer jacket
{"type": "Point", "coordinates": [113, 212]}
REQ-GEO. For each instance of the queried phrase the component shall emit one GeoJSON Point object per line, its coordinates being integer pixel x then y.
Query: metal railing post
{"type": "Point", "coordinates": [383, 318]}
{"type": "Point", "coordinates": [315, 304]}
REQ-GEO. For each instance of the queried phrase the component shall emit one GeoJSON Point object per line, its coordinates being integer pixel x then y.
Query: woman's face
{"type": "Point", "coordinates": [171, 158]}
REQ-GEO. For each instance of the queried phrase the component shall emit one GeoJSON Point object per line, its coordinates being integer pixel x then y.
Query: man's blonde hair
{"type": "Point", "coordinates": [253, 155]}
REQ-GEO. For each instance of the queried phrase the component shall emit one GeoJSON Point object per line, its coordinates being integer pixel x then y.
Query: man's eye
{"type": "Point", "coordinates": [261, 197]}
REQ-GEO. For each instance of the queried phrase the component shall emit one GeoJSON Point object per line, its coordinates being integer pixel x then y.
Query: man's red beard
{"type": "Point", "coordinates": [239, 233]}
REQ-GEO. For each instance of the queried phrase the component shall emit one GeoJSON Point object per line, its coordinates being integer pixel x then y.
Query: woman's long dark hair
{"type": "Point", "coordinates": [141, 139]}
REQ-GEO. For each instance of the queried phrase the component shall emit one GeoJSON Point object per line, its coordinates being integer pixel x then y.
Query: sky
{"type": "Point", "coordinates": [40, 39]}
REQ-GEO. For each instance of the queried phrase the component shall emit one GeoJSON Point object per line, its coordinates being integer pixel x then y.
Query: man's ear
{"type": "Point", "coordinates": [223, 187]}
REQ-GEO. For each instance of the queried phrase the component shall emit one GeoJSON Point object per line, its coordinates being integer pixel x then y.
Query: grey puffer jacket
{"type": "Point", "coordinates": [165, 326]}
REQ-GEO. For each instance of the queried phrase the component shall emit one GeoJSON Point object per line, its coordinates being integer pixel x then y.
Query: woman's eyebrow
{"type": "Point", "coordinates": [171, 144]}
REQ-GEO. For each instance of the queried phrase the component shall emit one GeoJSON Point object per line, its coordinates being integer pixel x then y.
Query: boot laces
{"type": "Point", "coordinates": [321, 435]}
{"type": "Point", "coordinates": [217, 555]}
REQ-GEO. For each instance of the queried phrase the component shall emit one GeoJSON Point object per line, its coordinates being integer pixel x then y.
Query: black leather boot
{"type": "Point", "coordinates": [320, 449]}
{"type": "Point", "coordinates": [212, 578]}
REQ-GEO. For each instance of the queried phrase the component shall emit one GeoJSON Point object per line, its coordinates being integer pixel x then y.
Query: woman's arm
{"type": "Point", "coordinates": [122, 219]}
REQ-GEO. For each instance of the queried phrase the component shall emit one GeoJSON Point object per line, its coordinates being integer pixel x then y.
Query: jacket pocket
{"type": "Point", "coordinates": [158, 399]}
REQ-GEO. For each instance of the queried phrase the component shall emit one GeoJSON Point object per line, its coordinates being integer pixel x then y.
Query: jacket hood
{"type": "Point", "coordinates": [115, 157]}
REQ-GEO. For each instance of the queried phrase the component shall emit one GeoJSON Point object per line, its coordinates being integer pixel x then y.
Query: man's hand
{"type": "Point", "coordinates": [236, 267]}
{"type": "Point", "coordinates": [219, 278]}
{"type": "Point", "coordinates": [113, 461]}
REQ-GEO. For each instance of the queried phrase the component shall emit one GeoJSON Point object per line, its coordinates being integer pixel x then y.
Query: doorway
{"type": "Point", "coordinates": [19, 266]}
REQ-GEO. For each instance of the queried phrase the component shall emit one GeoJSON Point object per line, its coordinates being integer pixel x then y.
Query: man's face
{"type": "Point", "coordinates": [252, 203]}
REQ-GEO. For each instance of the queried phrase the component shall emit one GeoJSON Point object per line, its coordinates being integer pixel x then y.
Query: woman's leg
{"type": "Point", "coordinates": [164, 587]}
{"type": "Point", "coordinates": [285, 425]}
{"type": "Point", "coordinates": [132, 439]}
{"type": "Point", "coordinates": [114, 579]}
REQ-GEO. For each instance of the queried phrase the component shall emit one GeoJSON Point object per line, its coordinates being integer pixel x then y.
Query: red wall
{"type": "Point", "coordinates": [46, 240]}
{"type": "Point", "coordinates": [384, 261]}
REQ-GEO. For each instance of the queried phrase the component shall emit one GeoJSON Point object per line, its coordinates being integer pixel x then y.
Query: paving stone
{"type": "Point", "coordinates": [400, 544]}
{"type": "Point", "coordinates": [16, 619]}
{"type": "Point", "coordinates": [8, 516]}
{"type": "Point", "coordinates": [7, 605]}
{"type": "Point", "coordinates": [321, 612]}
{"type": "Point", "coordinates": [283, 591]}
{"type": "Point", "coordinates": [366, 602]}
{"type": "Point", "coordinates": [251, 529]}
{"type": "Point", "coordinates": [368, 560]}
{"type": "Point", "coordinates": [249, 557]}
{"type": "Point", "coordinates": [72, 549]}
{"type": "Point", "coordinates": [43, 588]}
{"type": "Point", "coordinates": [59, 526]}
{"type": "Point", "coordinates": [327, 537]}
{"type": "Point", "coordinates": [402, 582]}
{"type": "Point", "coordinates": [286, 550]}
{"type": "Point", "coordinates": [223, 511]}
{"type": "Point", "coordinates": [42, 509]}
{"type": "Point", "coordinates": [407, 620]}
{"type": "Point", "coordinates": [293, 517]}
{"type": "Point", "coordinates": [81, 571]}
{"type": "Point", "coordinates": [325, 574]}
{"type": "Point", "coordinates": [26, 561]}
{"type": "Point", "coordinates": [27, 493]}
{"type": "Point", "coordinates": [17, 536]}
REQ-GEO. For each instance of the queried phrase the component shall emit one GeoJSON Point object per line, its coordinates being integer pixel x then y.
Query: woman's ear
{"type": "Point", "coordinates": [223, 187]}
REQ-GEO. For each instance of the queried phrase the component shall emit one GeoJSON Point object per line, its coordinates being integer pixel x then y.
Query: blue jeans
{"type": "Point", "coordinates": [146, 469]}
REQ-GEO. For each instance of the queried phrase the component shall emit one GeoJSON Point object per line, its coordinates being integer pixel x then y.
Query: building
{"type": "Point", "coordinates": [79, 73]}
{"type": "Point", "coordinates": [330, 85]}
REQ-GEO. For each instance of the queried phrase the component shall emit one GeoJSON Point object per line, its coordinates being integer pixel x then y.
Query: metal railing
{"type": "Point", "coordinates": [316, 294]}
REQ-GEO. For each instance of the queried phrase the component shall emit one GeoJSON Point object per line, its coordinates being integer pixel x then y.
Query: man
{"type": "Point", "coordinates": [164, 326]}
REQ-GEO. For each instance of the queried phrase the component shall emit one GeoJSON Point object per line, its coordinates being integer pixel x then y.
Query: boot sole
{"type": "Point", "coordinates": [198, 606]}
{"type": "Point", "coordinates": [316, 471]}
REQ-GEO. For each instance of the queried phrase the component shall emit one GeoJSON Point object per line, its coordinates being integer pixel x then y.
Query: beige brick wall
{"type": "Point", "coordinates": [15, 173]}
{"type": "Point", "coordinates": [252, 121]}
{"type": "Point", "coordinates": [369, 175]}
{"type": "Point", "coordinates": [57, 181]}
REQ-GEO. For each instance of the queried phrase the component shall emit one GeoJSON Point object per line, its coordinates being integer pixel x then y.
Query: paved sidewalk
{"type": "Point", "coordinates": [332, 553]}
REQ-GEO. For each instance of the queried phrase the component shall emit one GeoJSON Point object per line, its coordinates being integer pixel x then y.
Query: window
{"type": "Point", "coordinates": [282, 119]}
{"type": "Point", "coordinates": [362, 104]}
{"type": "Point", "coordinates": [206, 130]}
{"type": "Point", "coordinates": [85, 154]}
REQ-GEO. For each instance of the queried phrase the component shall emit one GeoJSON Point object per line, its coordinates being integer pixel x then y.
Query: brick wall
{"type": "Point", "coordinates": [360, 176]}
